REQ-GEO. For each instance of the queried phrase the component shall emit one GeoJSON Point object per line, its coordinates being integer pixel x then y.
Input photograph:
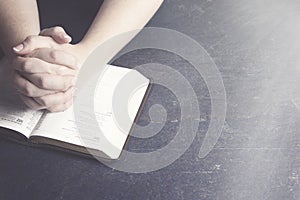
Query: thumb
{"type": "Point", "coordinates": [31, 43]}
{"type": "Point", "coordinates": [57, 33]}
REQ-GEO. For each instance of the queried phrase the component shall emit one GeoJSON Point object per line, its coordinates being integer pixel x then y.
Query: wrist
{"type": "Point", "coordinates": [82, 52]}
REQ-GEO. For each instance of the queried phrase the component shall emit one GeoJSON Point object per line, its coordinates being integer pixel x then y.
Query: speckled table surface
{"type": "Point", "coordinates": [255, 45]}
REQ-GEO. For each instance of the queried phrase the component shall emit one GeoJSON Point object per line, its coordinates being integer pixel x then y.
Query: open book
{"type": "Point", "coordinates": [105, 139]}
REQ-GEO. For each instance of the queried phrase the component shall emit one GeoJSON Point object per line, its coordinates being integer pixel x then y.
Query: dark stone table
{"type": "Point", "coordinates": [255, 45]}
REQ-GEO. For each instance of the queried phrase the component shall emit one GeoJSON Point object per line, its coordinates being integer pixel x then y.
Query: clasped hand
{"type": "Point", "coordinates": [45, 69]}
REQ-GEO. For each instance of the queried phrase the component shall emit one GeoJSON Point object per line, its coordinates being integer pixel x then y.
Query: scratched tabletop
{"type": "Point", "coordinates": [254, 47]}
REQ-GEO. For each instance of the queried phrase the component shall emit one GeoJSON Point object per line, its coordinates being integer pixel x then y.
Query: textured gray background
{"type": "Point", "coordinates": [255, 45]}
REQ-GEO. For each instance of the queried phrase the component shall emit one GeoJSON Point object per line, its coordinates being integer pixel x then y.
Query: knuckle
{"type": "Point", "coordinates": [26, 65]}
{"type": "Point", "coordinates": [54, 56]}
{"type": "Point", "coordinates": [30, 39]}
{"type": "Point", "coordinates": [42, 100]}
{"type": "Point", "coordinates": [42, 81]}
{"type": "Point", "coordinates": [65, 98]}
{"type": "Point", "coordinates": [28, 90]}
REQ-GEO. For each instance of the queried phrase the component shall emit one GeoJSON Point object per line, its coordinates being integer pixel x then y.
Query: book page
{"type": "Point", "coordinates": [13, 113]}
{"type": "Point", "coordinates": [106, 135]}
{"type": "Point", "coordinates": [19, 119]}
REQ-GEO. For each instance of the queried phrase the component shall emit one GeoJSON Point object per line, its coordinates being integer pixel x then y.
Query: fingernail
{"type": "Point", "coordinates": [67, 37]}
{"type": "Point", "coordinates": [18, 47]}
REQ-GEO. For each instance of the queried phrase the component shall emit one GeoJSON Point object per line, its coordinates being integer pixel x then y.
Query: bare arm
{"type": "Point", "coordinates": [116, 17]}
{"type": "Point", "coordinates": [18, 19]}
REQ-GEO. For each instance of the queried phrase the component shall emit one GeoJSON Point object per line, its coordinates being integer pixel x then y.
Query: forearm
{"type": "Point", "coordinates": [18, 19]}
{"type": "Point", "coordinates": [116, 17]}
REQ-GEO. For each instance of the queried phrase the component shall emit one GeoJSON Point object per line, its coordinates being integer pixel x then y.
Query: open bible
{"type": "Point", "coordinates": [107, 138]}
